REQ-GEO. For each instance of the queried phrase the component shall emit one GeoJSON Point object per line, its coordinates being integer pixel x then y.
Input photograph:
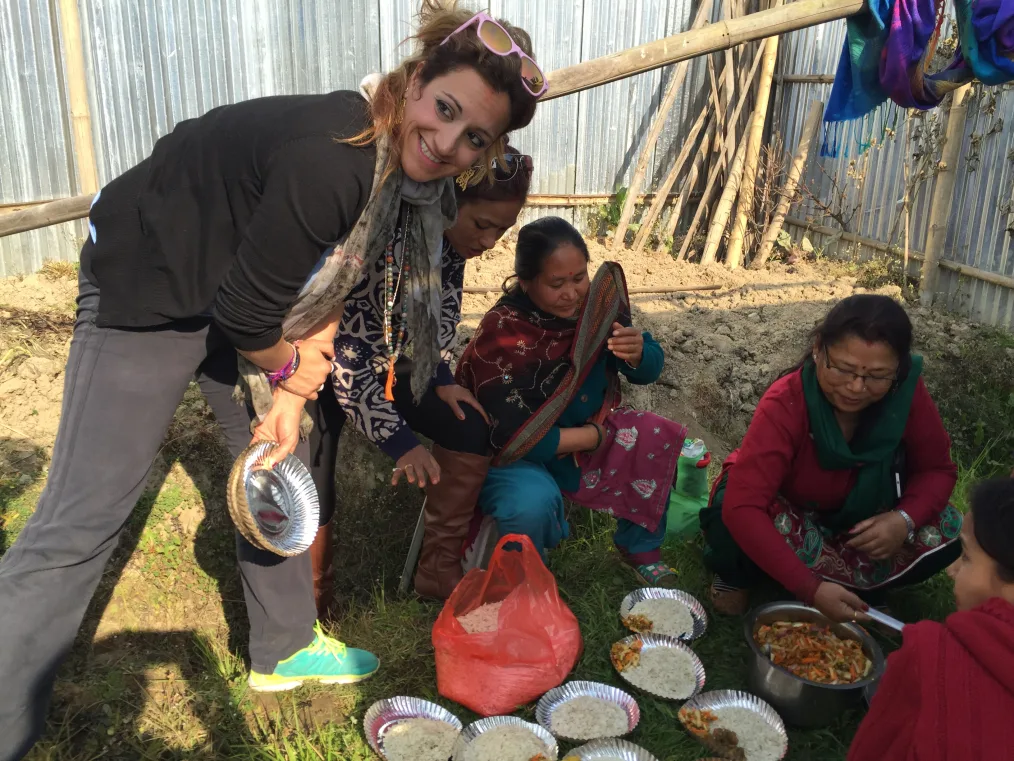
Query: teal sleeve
{"type": "Point", "coordinates": [652, 360]}
{"type": "Point", "coordinates": [545, 450]}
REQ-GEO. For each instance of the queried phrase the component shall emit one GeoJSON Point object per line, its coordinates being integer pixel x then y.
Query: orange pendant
{"type": "Point", "coordinates": [389, 386]}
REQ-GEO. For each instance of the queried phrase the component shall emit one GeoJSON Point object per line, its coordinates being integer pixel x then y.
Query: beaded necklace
{"type": "Point", "coordinates": [394, 347]}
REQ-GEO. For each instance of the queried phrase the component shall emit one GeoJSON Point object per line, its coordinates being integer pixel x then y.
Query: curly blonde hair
{"type": "Point", "coordinates": [431, 59]}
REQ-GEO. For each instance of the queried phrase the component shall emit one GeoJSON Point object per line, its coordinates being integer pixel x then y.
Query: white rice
{"type": "Point", "coordinates": [668, 616]}
{"type": "Point", "coordinates": [588, 718]}
{"type": "Point", "coordinates": [481, 620]}
{"type": "Point", "coordinates": [664, 671]}
{"type": "Point", "coordinates": [503, 744]}
{"type": "Point", "coordinates": [758, 739]}
{"type": "Point", "coordinates": [420, 740]}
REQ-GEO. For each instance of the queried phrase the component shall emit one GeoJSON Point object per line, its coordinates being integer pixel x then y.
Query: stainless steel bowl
{"type": "Point", "coordinates": [799, 701]}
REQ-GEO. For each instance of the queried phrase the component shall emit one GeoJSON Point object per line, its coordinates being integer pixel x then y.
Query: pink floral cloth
{"type": "Point", "coordinates": [630, 475]}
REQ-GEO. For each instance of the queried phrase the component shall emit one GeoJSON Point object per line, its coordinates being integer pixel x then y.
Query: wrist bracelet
{"type": "Point", "coordinates": [598, 433]}
{"type": "Point", "coordinates": [286, 371]}
{"type": "Point", "coordinates": [909, 524]}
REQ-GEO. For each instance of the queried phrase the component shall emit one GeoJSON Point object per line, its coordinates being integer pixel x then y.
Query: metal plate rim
{"type": "Point", "coordinates": [717, 699]}
{"type": "Point", "coordinates": [660, 640]}
{"type": "Point", "coordinates": [697, 611]}
{"type": "Point", "coordinates": [557, 696]}
{"type": "Point", "coordinates": [387, 712]}
{"type": "Point", "coordinates": [476, 728]}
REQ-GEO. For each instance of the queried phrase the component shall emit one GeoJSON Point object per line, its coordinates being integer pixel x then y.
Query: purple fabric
{"type": "Point", "coordinates": [630, 475]}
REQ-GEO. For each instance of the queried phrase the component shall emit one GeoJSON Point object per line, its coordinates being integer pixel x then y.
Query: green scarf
{"type": "Point", "coordinates": [872, 452]}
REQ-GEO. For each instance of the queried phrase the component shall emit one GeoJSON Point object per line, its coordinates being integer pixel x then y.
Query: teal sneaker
{"type": "Point", "coordinates": [325, 660]}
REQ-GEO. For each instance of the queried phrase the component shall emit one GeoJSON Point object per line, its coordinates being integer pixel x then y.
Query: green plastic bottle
{"type": "Point", "coordinates": [690, 494]}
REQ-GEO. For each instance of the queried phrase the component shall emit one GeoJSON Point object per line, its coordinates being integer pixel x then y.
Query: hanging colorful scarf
{"type": "Point", "coordinates": [525, 366]}
{"type": "Point", "coordinates": [886, 53]}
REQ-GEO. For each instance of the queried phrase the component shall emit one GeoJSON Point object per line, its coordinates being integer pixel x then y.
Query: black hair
{"type": "Point", "coordinates": [992, 508]}
{"type": "Point", "coordinates": [510, 183]}
{"type": "Point", "coordinates": [871, 317]}
{"type": "Point", "coordinates": [538, 240]}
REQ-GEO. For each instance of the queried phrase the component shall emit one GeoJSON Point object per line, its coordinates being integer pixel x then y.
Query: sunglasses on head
{"type": "Point", "coordinates": [497, 40]}
{"type": "Point", "coordinates": [501, 172]}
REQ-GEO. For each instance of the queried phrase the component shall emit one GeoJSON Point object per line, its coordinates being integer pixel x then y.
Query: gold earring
{"type": "Point", "coordinates": [465, 177]}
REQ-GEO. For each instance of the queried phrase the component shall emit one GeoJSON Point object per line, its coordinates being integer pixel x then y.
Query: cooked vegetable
{"type": "Point", "coordinates": [638, 623]}
{"type": "Point", "coordinates": [626, 656]}
{"type": "Point", "coordinates": [814, 652]}
{"type": "Point", "coordinates": [696, 721]}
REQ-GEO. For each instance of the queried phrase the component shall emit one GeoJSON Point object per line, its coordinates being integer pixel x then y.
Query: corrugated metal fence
{"type": "Point", "coordinates": [867, 190]}
{"type": "Point", "coordinates": [153, 63]}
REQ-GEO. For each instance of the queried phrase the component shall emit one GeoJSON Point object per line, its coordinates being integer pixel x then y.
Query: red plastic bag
{"type": "Point", "coordinates": [535, 646]}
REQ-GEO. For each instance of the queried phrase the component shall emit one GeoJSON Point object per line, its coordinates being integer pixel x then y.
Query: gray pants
{"type": "Point", "coordinates": [120, 392]}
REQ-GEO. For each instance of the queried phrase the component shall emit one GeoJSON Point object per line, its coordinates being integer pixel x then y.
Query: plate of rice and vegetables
{"type": "Point", "coordinates": [661, 666]}
{"type": "Point", "coordinates": [411, 729]}
{"type": "Point", "coordinates": [736, 725]}
{"type": "Point", "coordinates": [609, 750]}
{"type": "Point", "coordinates": [587, 711]}
{"type": "Point", "coordinates": [670, 612]}
{"type": "Point", "coordinates": [505, 738]}
{"type": "Point", "coordinates": [812, 651]}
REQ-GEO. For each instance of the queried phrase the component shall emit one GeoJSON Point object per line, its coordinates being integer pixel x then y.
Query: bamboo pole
{"type": "Point", "coordinates": [679, 47]}
{"type": "Point", "coordinates": [723, 211]}
{"type": "Point", "coordinates": [713, 174]}
{"type": "Point", "coordinates": [720, 125]}
{"type": "Point", "coordinates": [755, 133]}
{"type": "Point", "coordinates": [43, 215]}
{"type": "Point", "coordinates": [699, 161]}
{"type": "Point", "coordinates": [811, 128]}
{"type": "Point", "coordinates": [653, 213]}
{"type": "Point", "coordinates": [678, 77]}
{"type": "Point", "coordinates": [943, 195]}
{"type": "Point", "coordinates": [649, 218]}
{"type": "Point", "coordinates": [77, 91]}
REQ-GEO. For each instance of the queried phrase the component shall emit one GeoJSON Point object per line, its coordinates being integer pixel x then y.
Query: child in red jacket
{"type": "Point", "coordinates": [948, 693]}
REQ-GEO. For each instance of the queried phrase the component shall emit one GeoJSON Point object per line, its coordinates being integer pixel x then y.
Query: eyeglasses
{"type": "Point", "coordinates": [870, 382]}
{"type": "Point", "coordinates": [497, 40]}
{"type": "Point", "coordinates": [511, 164]}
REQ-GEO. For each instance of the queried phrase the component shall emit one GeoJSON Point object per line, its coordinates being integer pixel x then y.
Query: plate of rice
{"type": "Point", "coordinates": [587, 711]}
{"type": "Point", "coordinates": [609, 750]}
{"type": "Point", "coordinates": [670, 612]}
{"type": "Point", "coordinates": [661, 666]}
{"type": "Point", "coordinates": [505, 738]}
{"type": "Point", "coordinates": [411, 729]}
{"type": "Point", "coordinates": [736, 725]}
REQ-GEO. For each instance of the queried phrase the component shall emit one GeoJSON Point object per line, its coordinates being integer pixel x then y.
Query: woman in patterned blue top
{"type": "Point", "coordinates": [370, 334]}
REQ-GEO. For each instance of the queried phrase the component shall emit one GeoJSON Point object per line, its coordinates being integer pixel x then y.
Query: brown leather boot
{"type": "Point", "coordinates": [322, 557]}
{"type": "Point", "coordinates": [449, 508]}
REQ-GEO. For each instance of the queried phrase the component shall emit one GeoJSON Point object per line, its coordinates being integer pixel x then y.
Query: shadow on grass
{"type": "Point", "coordinates": [164, 695]}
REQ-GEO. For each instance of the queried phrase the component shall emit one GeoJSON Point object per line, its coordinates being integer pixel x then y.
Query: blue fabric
{"type": "Point", "coordinates": [587, 402]}
{"type": "Point", "coordinates": [524, 498]}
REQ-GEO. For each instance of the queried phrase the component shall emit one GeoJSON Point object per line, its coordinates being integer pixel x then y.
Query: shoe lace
{"type": "Point", "coordinates": [324, 644]}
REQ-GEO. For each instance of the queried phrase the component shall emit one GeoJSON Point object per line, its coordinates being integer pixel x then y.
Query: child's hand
{"type": "Point", "coordinates": [627, 344]}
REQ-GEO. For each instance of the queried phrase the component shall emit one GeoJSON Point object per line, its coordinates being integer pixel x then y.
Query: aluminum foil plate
{"type": "Point", "coordinates": [691, 603]}
{"type": "Point", "coordinates": [651, 641]}
{"type": "Point", "coordinates": [718, 699]}
{"type": "Point", "coordinates": [609, 750]}
{"type": "Point", "coordinates": [385, 714]}
{"type": "Point", "coordinates": [477, 728]}
{"type": "Point", "coordinates": [560, 695]}
{"type": "Point", "coordinates": [277, 509]}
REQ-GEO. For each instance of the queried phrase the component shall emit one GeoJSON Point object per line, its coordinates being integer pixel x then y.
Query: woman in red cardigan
{"type": "Point", "coordinates": [841, 485]}
{"type": "Point", "coordinates": [948, 693]}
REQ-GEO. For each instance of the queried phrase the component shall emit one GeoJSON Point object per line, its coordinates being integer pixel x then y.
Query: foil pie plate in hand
{"type": "Point", "coordinates": [274, 509]}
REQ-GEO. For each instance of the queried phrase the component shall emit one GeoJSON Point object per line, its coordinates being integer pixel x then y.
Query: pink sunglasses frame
{"type": "Point", "coordinates": [481, 18]}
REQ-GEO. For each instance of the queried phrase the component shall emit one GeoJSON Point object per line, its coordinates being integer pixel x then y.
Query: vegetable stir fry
{"type": "Point", "coordinates": [638, 623]}
{"type": "Point", "coordinates": [697, 721]}
{"type": "Point", "coordinates": [626, 656]}
{"type": "Point", "coordinates": [812, 651]}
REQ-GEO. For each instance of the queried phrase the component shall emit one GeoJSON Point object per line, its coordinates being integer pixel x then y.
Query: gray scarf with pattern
{"type": "Point", "coordinates": [433, 209]}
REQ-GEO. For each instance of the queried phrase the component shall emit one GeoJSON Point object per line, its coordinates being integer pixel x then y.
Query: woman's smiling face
{"type": "Point", "coordinates": [449, 123]}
